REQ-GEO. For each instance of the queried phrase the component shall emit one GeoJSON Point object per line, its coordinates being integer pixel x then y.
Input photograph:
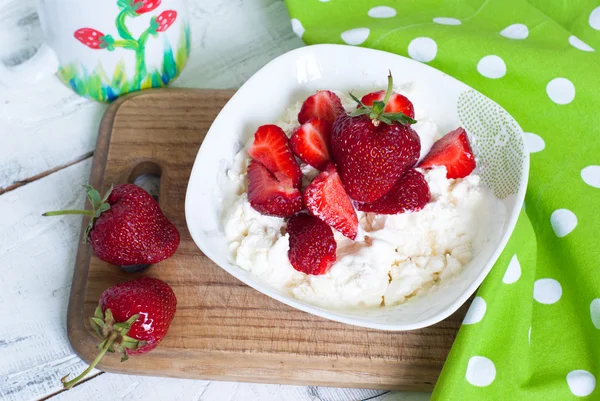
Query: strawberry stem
{"type": "Point", "coordinates": [114, 336]}
{"type": "Point", "coordinates": [388, 92]}
{"type": "Point", "coordinates": [99, 206]}
{"type": "Point", "coordinates": [61, 212]}
{"type": "Point", "coordinates": [107, 345]}
{"type": "Point", "coordinates": [376, 111]}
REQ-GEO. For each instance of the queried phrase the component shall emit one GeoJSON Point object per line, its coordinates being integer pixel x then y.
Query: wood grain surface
{"type": "Point", "coordinates": [223, 329]}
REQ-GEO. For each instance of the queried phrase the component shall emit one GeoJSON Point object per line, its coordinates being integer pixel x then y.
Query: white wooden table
{"type": "Point", "coordinates": [47, 139]}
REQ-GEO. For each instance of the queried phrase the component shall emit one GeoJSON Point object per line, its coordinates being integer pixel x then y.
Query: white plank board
{"type": "Point", "coordinates": [129, 388]}
{"type": "Point", "coordinates": [46, 125]}
{"type": "Point", "coordinates": [37, 255]}
{"type": "Point", "coordinates": [138, 388]}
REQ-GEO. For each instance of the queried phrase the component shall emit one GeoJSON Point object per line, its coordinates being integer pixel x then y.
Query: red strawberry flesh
{"type": "Point", "coordinates": [396, 104]}
{"type": "Point", "coordinates": [370, 159]}
{"type": "Point", "coordinates": [269, 196]}
{"type": "Point", "coordinates": [409, 194]}
{"type": "Point", "coordinates": [271, 148]}
{"type": "Point", "coordinates": [312, 246]}
{"type": "Point", "coordinates": [326, 199]}
{"type": "Point", "coordinates": [311, 142]}
{"type": "Point", "coordinates": [324, 104]}
{"type": "Point", "coordinates": [454, 152]}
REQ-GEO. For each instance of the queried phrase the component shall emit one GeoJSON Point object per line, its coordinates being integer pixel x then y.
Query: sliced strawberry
{"type": "Point", "coordinates": [312, 246]}
{"type": "Point", "coordinates": [311, 142]}
{"type": "Point", "coordinates": [323, 104]}
{"type": "Point", "coordinates": [269, 196]}
{"type": "Point", "coordinates": [409, 194]}
{"type": "Point", "coordinates": [326, 199]}
{"type": "Point", "coordinates": [271, 148]}
{"type": "Point", "coordinates": [453, 151]}
{"type": "Point", "coordinates": [396, 104]}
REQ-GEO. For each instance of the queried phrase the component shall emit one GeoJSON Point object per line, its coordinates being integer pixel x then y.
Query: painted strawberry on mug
{"type": "Point", "coordinates": [165, 20]}
{"type": "Point", "coordinates": [144, 6]}
{"type": "Point", "coordinates": [97, 40]}
{"type": "Point", "coordinates": [94, 39]}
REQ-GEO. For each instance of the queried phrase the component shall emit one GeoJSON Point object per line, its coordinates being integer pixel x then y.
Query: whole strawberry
{"type": "Point", "coordinates": [131, 318]}
{"type": "Point", "coordinates": [127, 226]}
{"type": "Point", "coordinates": [372, 148]}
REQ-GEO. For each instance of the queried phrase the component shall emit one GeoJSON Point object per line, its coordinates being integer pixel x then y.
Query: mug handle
{"type": "Point", "coordinates": [43, 64]}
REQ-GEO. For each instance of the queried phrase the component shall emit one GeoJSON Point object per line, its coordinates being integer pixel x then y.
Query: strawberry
{"type": "Point", "coordinates": [312, 246]}
{"type": "Point", "coordinates": [372, 149]}
{"type": "Point", "coordinates": [311, 142]}
{"type": "Point", "coordinates": [453, 151]}
{"type": "Point", "coordinates": [127, 226]}
{"type": "Point", "coordinates": [396, 104]}
{"type": "Point", "coordinates": [326, 199]}
{"type": "Point", "coordinates": [131, 318]}
{"type": "Point", "coordinates": [409, 194]}
{"type": "Point", "coordinates": [165, 20]}
{"type": "Point", "coordinates": [271, 148]}
{"type": "Point", "coordinates": [92, 38]}
{"type": "Point", "coordinates": [325, 105]}
{"type": "Point", "coordinates": [269, 196]}
{"type": "Point", "coordinates": [144, 6]}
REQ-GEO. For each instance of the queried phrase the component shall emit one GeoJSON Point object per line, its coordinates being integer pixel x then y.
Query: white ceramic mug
{"type": "Point", "coordinates": [103, 49]}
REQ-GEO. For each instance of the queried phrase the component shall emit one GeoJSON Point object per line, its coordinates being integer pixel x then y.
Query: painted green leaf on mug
{"type": "Point", "coordinates": [119, 74]}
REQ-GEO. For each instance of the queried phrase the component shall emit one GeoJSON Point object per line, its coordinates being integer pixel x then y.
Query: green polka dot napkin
{"type": "Point", "coordinates": [533, 331]}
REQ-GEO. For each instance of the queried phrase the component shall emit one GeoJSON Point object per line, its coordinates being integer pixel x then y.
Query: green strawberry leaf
{"type": "Point", "coordinates": [378, 107]}
{"type": "Point", "coordinates": [359, 112]}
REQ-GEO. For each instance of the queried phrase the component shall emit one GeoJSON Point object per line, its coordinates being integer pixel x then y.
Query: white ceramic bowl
{"type": "Point", "coordinates": [496, 138]}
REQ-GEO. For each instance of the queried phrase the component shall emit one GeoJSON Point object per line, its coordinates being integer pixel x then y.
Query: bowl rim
{"type": "Point", "coordinates": [331, 314]}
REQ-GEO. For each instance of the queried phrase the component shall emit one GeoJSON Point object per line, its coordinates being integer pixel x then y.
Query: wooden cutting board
{"type": "Point", "coordinates": [223, 329]}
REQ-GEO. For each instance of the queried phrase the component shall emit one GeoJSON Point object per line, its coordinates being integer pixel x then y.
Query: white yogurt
{"type": "Point", "coordinates": [395, 257]}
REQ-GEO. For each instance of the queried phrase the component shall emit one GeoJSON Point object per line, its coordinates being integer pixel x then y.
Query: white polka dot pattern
{"type": "Point", "coordinates": [561, 91]}
{"type": "Point", "coordinates": [581, 383]}
{"type": "Point", "coordinates": [355, 36]}
{"type": "Point", "coordinates": [547, 291]}
{"type": "Point", "coordinates": [382, 12]}
{"type": "Point", "coordinates": [481, 371]}
{"type": "Point", "coordinates": [491, 66]}
{"type": "Point", "coordinates": [563, 221]}
{"type": "Point", "coordinates": [515, 31]}
{"type": "Point", "coordinates": [422, 49]}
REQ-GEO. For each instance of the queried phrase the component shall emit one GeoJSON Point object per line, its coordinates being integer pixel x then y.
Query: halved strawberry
{"type": "Point", "coordinates": [311, 142]}
{"type": "Point", "coordinates": [312, 246]}
{"type": "Point", "coordinates": [326, 198]}
{"type": "Point", "coordinates": [409, 194]}
{"type": "Point", "coordinates": [269, 196]}
{"type": "Point", "coordinates": [453, 151]}
{"type": "Point", "coordinates": [396, 104]}
{"type": "Point", "coordinates": [271, 148]}
{"type": "Point", "coordinates": [323, 104]}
